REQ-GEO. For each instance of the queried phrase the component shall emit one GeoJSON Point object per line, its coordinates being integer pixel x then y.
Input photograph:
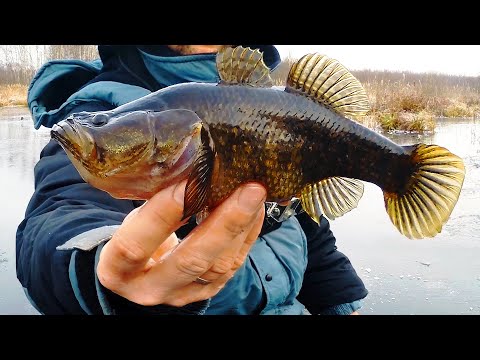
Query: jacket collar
{"type": "Point", "coordinates": [271, 55]}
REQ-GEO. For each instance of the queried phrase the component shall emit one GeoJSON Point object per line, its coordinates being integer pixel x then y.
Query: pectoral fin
{"type": "Point", "coordinates": [199, 181]}
{"type": "Point", "coordinates": [333, 197]}
{"type": "Point", "coordinates": [202, 215]}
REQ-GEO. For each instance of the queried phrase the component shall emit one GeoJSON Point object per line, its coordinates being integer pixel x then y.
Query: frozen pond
{"type": "Point", "coordinates": [434, 276]}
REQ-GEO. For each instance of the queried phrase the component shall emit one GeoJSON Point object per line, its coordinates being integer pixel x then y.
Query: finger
{"type": "Point", "coordinates": [142, 233]}
{"type": "Point", "coordinates": [166, 247]}
{"type": "Point", "coordinates": [249, 241]}
{"type": "Point", "coordinates": [193, 291]}
{"type": "Point", "coordinates": [234, 256]}
{"type": "Point", "coordinates": [199, 250]}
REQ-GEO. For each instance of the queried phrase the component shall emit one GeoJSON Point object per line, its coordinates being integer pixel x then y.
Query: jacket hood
{"type": "Point", "coordinates": [52, 85]}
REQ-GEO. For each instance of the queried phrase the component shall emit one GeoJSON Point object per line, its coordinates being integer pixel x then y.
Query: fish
{"type": "Point", "coordinates": [301, 141]}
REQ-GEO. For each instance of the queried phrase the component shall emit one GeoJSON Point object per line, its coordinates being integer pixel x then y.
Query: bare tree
{"type": "Point", "coordinates": [18, 63]}
{"type": "Point", "coordinates": [82, 52]}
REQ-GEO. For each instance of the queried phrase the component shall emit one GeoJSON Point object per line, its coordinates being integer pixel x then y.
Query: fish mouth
{"type": "Point", "coordinates": [58, 133]}
{"type": "Point", "coordinates": [71, 140]}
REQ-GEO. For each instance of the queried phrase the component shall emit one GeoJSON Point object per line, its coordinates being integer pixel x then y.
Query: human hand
{"type": "Point", "coordinates": [145, 263]}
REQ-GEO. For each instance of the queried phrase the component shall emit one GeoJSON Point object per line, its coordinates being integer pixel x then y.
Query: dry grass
{"type": "Point", "coordinates": [399, 100]}
{"type": "Point", "coordinates": [406, 121]}
{"type": "Point", "coordinates": [457, 108]}
{"type": "Point", "coordinates": [411, 101]}
{"type": "Point", "coordinates": [13, 95]}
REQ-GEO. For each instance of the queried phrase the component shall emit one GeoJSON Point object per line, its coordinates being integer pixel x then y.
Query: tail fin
{"type": "Point", "coordinates": [431, 194]}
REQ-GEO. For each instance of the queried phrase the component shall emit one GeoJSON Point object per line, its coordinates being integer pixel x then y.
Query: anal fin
{"type": "Point", "coordinates": [332, 197]}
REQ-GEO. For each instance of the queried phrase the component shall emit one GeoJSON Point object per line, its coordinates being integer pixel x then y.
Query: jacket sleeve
{"type": "Point", "coordinates": [331, 285]}
{"type": "Point", "coordinates": [63, 207]}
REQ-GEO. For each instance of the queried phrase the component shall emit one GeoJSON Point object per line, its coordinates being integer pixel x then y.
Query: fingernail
{"type": "Point", "coordinates": [251, 197]}
{"type": "Point", "coordinates": [179, 192]}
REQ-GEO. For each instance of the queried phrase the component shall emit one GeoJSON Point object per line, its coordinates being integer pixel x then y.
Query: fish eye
{"type": "Point", "coordinates": [99, 119]}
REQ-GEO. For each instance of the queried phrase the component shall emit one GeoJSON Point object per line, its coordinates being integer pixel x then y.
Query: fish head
{"type": "Point", "coordinates": [132, 154]}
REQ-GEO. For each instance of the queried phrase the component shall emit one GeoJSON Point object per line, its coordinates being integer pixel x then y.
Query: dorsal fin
{"type": "Point", "coordinates": [241, 65]}
{"type": "Point", "coordinates": [329, 82]}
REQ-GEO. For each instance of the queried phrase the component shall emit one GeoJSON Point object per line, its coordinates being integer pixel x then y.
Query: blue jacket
{"type": "Point", "coordinates": [294, 265]}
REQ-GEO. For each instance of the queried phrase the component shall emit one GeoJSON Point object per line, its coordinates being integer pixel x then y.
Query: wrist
{"type": "Point", "coordinates": [123, 306]}
{"type": "Point", "coordinates": [343, 309]}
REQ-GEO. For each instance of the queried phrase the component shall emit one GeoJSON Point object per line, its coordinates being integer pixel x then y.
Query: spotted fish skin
{"type": "Point", "coordinates": [284, 140]}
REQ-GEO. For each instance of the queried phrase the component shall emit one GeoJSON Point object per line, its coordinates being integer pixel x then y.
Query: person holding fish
{"type": "Point", "coordinates": [173, 178]}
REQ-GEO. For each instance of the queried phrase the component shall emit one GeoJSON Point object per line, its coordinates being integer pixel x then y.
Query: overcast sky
{"type": "Point", "coordinates": [446, 59]}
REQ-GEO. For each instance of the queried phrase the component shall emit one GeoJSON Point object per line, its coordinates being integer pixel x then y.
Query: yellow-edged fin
{"type": "Point", "coordinates": [241, 65]}
{"type": "Point", "coordinates": [332, 197]}
{"type": "Point", "coordinates": [329, 82]}
{"type": "Point", "coordinates": [432, 193]}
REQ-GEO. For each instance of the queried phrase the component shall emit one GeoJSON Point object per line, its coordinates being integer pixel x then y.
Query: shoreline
{"type": "Point", "coordinates": [14, 110]}
{"type": "Point", "coordinates": [370, 121]}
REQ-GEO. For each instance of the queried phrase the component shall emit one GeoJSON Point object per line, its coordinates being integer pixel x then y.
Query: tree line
{"type": "Point", "coordinates": [386, 78]}
{"type": "Point", "coordinates": [18, 63]}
